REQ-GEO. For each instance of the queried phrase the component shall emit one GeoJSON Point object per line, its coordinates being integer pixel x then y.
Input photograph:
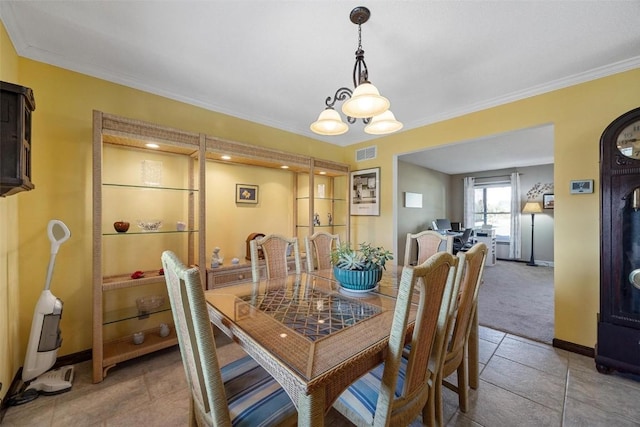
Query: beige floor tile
{"type": "Point", "coordinates": [92, 408]}
{"type": "Point", "coordinates": [165, 412]}
{"type": "Point", "coordinates": [490, 335]}
{"type": "Point", "coordinates": [580, 414]}
{"type": "Point", "coordinates": [543, 358]}
{"type": "Point", "coordinates": [166, 381]}
{"type": "Point", "coordinates": [486, 349]}
{"type": "Point", "coordinates": [30, 414]}
{"type": "Point", "coordinates": [541, 387]}
{"type": "Point", "coordinates": [611, 393]}
{"type": "Point", "coordinates": [460, 420]}
{"type": "Point", "coordinates": [493, 406]}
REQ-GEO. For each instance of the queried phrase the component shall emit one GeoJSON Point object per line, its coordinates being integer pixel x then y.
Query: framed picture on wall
{"type": "Point", "coordinates": [247, 193]}
{"type": "Point", "coordinates": [365, 192]}
{"type": "Point", "coordinates": [547, 201]}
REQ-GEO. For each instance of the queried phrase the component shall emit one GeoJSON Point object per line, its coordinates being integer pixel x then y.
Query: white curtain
{"type": "Point", "coordinates": [469, 201]}
{"type": "Point", "coordinates": [515, 242]}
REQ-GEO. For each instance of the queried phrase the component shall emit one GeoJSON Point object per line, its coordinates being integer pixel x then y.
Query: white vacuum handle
{"type": "Point", "coordinates": [58, 234]}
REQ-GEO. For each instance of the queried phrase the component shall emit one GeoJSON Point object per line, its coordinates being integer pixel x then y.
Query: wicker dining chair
{"type": "Point", "coordinates": [470, 270]}
{"type": "Point", "coordinates": [240, 393]}
{"type": "Point", "coordinates": [318, 248]}
{"type": "Point", "coordinates": [429, 242]}
{"type": "Point", "coordinates": [397, 391]}
{"type": "Point", "coordinates": [275, 249]}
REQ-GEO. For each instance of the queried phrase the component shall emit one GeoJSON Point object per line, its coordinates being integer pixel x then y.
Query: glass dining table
{"type": "Point", "coordinates": [313, 337]}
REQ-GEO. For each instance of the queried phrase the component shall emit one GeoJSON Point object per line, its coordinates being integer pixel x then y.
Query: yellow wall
{"type": "Point", "coordinates": [10, 351]}
{"type": "Point", "coordinates": [579, 114]}
{"type": "Point", "coordinates": [62, 175]}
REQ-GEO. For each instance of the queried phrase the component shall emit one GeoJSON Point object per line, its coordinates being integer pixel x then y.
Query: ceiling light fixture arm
{"type": "Point", "coordinates": [342, 94]}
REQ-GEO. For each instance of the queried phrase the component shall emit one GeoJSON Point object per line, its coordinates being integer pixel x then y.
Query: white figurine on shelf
{"type": "Point", "coordinates": [216, 259]}
{"type": "Point", "coordinates": [316, 219]}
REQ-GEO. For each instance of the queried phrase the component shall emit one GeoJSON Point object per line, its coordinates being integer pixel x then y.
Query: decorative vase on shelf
{"type": "Point", "coordinates": [164, 330]}
{"type": "Point", "coordinates": [138, 338]}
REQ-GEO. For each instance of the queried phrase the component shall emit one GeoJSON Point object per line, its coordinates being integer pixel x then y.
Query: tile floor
{"type": "Point", "coordinates": [523, 383]}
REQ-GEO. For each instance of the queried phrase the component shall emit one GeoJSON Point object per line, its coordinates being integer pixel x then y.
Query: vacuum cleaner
{"type": "Point", "coordinates": [45, 338]}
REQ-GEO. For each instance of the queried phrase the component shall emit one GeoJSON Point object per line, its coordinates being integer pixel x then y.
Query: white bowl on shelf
{"type": "Point", "coordinates": [150, 225]}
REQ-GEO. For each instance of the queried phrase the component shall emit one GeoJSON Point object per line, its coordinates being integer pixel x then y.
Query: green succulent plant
{"type": "Point", "coordinates": [368, 257]}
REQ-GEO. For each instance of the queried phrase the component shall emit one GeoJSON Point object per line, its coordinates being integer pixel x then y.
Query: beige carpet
{"type": "Point", "coordinates": [518, 299]}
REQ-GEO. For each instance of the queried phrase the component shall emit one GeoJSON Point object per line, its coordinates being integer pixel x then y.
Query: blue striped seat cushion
{"type": "Point", "coordinates": [362, 396]}
{"type": "Point", "coordinates": [253, 396]}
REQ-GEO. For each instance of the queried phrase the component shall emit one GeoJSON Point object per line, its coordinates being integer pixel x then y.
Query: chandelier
{"type": "Point", "coordinates": [364, 102]}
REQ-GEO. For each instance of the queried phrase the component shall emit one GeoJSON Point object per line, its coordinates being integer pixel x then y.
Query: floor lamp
{"type": "Point", "coordinates": [532, 208]}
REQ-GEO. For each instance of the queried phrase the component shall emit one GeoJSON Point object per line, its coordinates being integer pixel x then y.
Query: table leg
{"type": "Point", "coordinates": [311, 409]}
{"type": "Point", "coordinates": [473, 356]}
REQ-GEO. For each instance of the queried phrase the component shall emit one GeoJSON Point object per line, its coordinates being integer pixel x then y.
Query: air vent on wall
{"type": "Point", "coordinates": [366, 153]}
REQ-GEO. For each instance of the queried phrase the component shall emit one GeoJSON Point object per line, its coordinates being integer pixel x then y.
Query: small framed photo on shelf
{"type": "Point", "coordinates": [547, 201]}
{"type": "Point", "coordinates": [581, 186]}
{"type": "Point", "coordinates": [365, 192]}
{"type": "Point", "coordinates": [247, 193]}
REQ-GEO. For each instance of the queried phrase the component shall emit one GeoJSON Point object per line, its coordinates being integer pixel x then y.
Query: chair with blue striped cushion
{"type": "Point", "coordinates": [238, 394]}
{"type": "Point", "coordinates": [399, 390]}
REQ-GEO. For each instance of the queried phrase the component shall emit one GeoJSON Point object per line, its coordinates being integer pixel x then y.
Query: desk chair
{"type": "Point", "coordinates": [456, 358]}
{"type": "Point", "coordinates": [395, 392]}
{"type": "Point", "coordinates": [429, 242]}
{"type": "Point", "coordinates": [319, 246]}
{"type": "Point", "coordinates": [462, 242]}
{"type": "Point", "coordinates": [275, 249]}
{"type": "Point", "coordinates": [240, 393]}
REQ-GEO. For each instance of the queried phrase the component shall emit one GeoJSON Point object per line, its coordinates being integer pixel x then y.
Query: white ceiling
{"type": "Point", "coordinates": [521, 148]}
{"type": "Point", "coordinates": [275, 62]}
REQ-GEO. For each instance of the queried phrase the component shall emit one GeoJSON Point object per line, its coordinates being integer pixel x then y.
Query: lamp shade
{"type": "Point", "coordinates": [329, 123]}
{"type": "Point", "coordinates": [365, 102]}
{"type": "Point", "coordinates": [383, 123]}
{"type": "Point", "coordinates": [532, 208]}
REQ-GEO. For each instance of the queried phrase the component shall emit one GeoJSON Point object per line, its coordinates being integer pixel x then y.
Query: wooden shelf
{"type": "Point", "coordinates": [118, 146]}
{"type": "Point", "coordinates": [122, 349]}
{"type": "Point", "coordinates": [124, 139]}
{"type": "Point", "coordinates": [132, 312]}
{"type": "Point", "coordinates": [125, 281]}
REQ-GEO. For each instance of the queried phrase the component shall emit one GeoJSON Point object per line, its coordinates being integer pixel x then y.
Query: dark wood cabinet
{"type": "Point", "coordinates": [618, 346]}
{"type": "Point", "coordinates": [16, 105]}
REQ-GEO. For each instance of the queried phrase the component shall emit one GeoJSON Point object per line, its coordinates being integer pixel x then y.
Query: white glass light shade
{"type": "Point", "coordinates": [365, 102]}
{"type": "Point", "coordinates": [329, 123]}
{"type": "Point", "coordinates": [532, 208]}
{"type": "Point", "coordinates": [383, 123]}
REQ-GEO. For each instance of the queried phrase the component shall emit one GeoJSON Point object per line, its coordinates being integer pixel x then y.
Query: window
{"type": "Point", "coordinates": [493, 206]}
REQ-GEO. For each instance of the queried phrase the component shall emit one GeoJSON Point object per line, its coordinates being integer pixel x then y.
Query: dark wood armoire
{"type": "Point", "coordinates": [618, 346]}
{"type": "Point", "coordinates": [16, 106]}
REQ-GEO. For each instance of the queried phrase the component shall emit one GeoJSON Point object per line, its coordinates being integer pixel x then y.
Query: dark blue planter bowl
{"type": "Point", "coordinates": [357, 280]}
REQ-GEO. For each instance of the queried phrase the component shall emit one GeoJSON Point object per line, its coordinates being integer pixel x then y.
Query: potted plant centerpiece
{"type": "Point", "coordinates": [359, 270]}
